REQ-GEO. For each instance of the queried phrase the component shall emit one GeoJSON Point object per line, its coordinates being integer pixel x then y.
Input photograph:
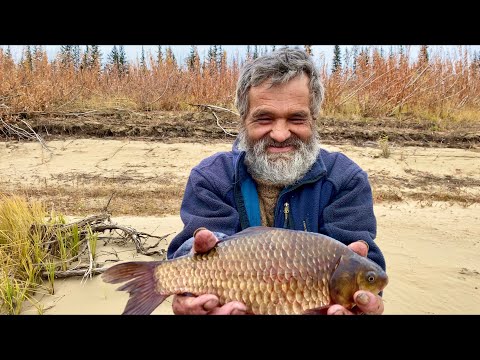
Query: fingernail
{"type": "Point", "coordinates": [238, 312]}
{"type": "Point", "coordinates": [199, 229]}
{"type": "Point", "coordinates": [339, 312]}
{"type": "Point", "coordinates": [362, 299]}
{"type": "Point", "coordinates": [368, 246]}
{"type": "Point", "coordinates": [210, 304]}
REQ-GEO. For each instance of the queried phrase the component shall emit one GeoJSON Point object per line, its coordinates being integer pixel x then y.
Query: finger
{"type": "Point", "coordinates": [204, 241]}
{"type": "Point", "coordinates": [201, 305]}
{"type": "Point", "coordinates": [231, 308]}
{"type": "Point", "coordinates": [369, 303]}
{"type": "Point", "coordinates": [360, 247]}
{"type": "Point", "coordinates": [338, 310]}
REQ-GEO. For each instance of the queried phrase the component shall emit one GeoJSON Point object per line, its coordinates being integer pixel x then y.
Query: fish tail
{"type": "Point", "coordinates": [144, 297]}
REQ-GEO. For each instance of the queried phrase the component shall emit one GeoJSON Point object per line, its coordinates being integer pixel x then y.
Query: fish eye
{"type": "Point", "coordinates": [371, 276]}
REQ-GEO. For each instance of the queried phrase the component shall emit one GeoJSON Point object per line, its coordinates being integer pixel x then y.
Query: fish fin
{"type": "Point", "coordinates": [317, 311]}
{"type": "Point", "coordinates": [144, 297]}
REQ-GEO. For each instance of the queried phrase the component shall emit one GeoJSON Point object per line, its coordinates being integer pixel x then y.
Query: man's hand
{"type": "Point", "coordinates": [367, 303]}
{"type": "Point", "coordinates": [206, 304]}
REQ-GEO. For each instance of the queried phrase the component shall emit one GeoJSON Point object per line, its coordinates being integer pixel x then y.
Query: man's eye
{"type": "Point", "coordinates": [298, 120]}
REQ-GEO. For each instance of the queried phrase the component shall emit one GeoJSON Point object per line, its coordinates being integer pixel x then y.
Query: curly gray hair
{"type": "Point", "coordinates": [279, 67]}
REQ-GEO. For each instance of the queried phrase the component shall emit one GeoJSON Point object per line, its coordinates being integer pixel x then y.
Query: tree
{"type": "Point", "coordinates": [28, 60]}
{"type": "Point", "coordinates": [66, 55]}
{"type": "Point", "coordinates": [95, 57]}
{"type": "Point", "coordinates": [337, 59]}
{"type": "Point", "coordinates": [85, 59]}
{"type": "Point", "coordinates": [143, 64]}
{"type": "Point", "coordinates": [255, 52]}
{"type": "Point", "coordinates": [113, 58]}
{"type": "Point", "coordinates": [423, 55]}
{"type": "Point", "coordinates": [308, 49]}
{"type": "Point", "coordinates": [122, 59]}
{"type": "Point", "coordinates": [193, 58]}
{"type": "Point", "coordinates": [159, 55]}
{"type": "Point", "coordinates": [355, 57]}
{"type": "Point", "coordinates": [249, 53]}
{"type": "Point", "coordinates": [76, 56]}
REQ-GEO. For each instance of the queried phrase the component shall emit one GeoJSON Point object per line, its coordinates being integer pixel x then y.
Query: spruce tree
{"type": "Point", "coordinates": [192, 58]}
{"type": "Point", "coordinates": [423, 55]}
{"type": "Point", "coordinates": [122, 60]}
{"type": "Point", "coordinates": [28, 58]}
{"type": "Point", "coordinates": [95, 57]}
{"type": "Point", "coordinates": [159, 55]}
{"type": "Point", "coordinates": [255, 52]}
{"type": "Point", "coordinates": [337, 59]}
{"type": "Point", "coordinates": [76, 56]}
{"type": "Point", "coordinates": [143, 64]}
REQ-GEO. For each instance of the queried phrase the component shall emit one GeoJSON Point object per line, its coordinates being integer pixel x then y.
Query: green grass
{"type": "Point", "coordinates": [33, 242]}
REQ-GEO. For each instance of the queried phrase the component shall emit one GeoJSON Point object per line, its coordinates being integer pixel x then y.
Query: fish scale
{"type": "Point", "coordinates": [270, 270]}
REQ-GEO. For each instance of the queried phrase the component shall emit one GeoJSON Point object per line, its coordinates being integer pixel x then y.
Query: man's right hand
{"type": "Point", "coordinates": [206, 304]}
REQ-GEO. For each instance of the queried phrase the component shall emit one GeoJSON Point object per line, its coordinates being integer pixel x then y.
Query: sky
{"type": "Point", "coordinates": [181, 52]}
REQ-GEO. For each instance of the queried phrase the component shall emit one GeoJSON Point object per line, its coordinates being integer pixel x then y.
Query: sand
{"type": "Point", "coordinates": [432, 247]}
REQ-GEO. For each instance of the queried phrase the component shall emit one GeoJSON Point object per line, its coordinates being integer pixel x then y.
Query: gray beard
{"type": "Point", "coordinates": [279, 168]}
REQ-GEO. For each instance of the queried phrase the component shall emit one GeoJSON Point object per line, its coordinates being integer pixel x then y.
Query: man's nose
{"type": "Point", "coordinates": [280, 131]}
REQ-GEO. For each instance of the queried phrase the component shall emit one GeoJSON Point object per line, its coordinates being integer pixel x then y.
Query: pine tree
{"type": "Point", "coordinates": [170, 56]}
{"type": "Point", "coordinates": [113, 58]}
{"type": "Point", "coordinates": [337, 59]}
{"type": "Point", "coordinates": [28, 58]}
{"type": "Point", "coordinates": [255, 52]}
{"type": "Point", "coordinates": [192, 58]}
{"type": "Point", "coordinates": [66, 57]}
{"type": "Point", "coordinates": [95, 57]}
{"type": "Point", "coordinates": [143, 64]}
{"type": "Point", "coordinates": [219, 57]}
{"type": "Point", "coordinates": [76, 56]}
{"type": "Point", "coordinates": [85, 59]}
{"type": "Point", "coordinates": [249, 53]}
{"type": "Point", "coordinates": [355, 58]}
{"type": "Point", "coordinates": [423, 55]}
{"type": "Point", "coordinates": [159, 55]}
{"type": "Point", "coordinates": [122, 60]}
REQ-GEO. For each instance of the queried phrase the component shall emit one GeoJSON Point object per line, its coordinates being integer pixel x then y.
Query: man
{"type": "Point", "coordinates": [277, 175]}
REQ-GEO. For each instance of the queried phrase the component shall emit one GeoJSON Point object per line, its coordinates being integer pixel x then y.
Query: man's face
{"type": "Point", "coordinates": [277, 135]}
{"type": "Point", "coordinates": [279, 112]}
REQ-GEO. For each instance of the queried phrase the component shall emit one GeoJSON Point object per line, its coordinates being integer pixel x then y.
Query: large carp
{"type": "Point", "coordinates": [270, 270]}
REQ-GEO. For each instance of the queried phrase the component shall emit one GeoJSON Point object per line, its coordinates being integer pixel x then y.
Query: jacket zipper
{"type": "Point", "coordinates": [286, 211]}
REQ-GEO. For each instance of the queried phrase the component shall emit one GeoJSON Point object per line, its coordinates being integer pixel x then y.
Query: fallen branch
{"type": "Point", "coordinates": [76, 272]}
{"type": "Point", "coordinates": [211, 107]}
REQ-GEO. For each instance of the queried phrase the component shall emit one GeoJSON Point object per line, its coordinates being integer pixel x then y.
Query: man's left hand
{"type": "Point", "coordinates": [367, 302]}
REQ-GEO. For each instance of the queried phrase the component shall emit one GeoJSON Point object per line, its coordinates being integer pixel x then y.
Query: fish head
{"type": "Point", "coordinates": [353, 273]}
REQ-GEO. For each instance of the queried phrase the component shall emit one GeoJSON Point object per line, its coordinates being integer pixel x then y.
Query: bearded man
{"type": "Point", "coordinates": [277, 175]}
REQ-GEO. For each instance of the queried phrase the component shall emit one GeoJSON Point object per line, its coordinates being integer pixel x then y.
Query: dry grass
{"type": "Point", "coordinates": [31, 241]}
{"type": "Point", "coordinates": [442, 90]}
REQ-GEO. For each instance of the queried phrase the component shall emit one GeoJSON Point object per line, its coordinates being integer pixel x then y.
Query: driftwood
{"type": "Point", "coordinates": [211, 108]}
{"type": "Point", "coordinates": [95, 224]}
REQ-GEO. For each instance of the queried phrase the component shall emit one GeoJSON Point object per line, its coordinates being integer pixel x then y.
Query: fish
{"type": "Point", "coordinates": [272, 271]}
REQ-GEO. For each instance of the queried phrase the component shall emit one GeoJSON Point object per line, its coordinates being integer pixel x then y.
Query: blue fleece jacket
{"type": "Point", "coordinates": [333, 198]}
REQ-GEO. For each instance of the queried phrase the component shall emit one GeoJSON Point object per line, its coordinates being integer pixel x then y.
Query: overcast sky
{"type": "Point", "coordinates": [181, 51]}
